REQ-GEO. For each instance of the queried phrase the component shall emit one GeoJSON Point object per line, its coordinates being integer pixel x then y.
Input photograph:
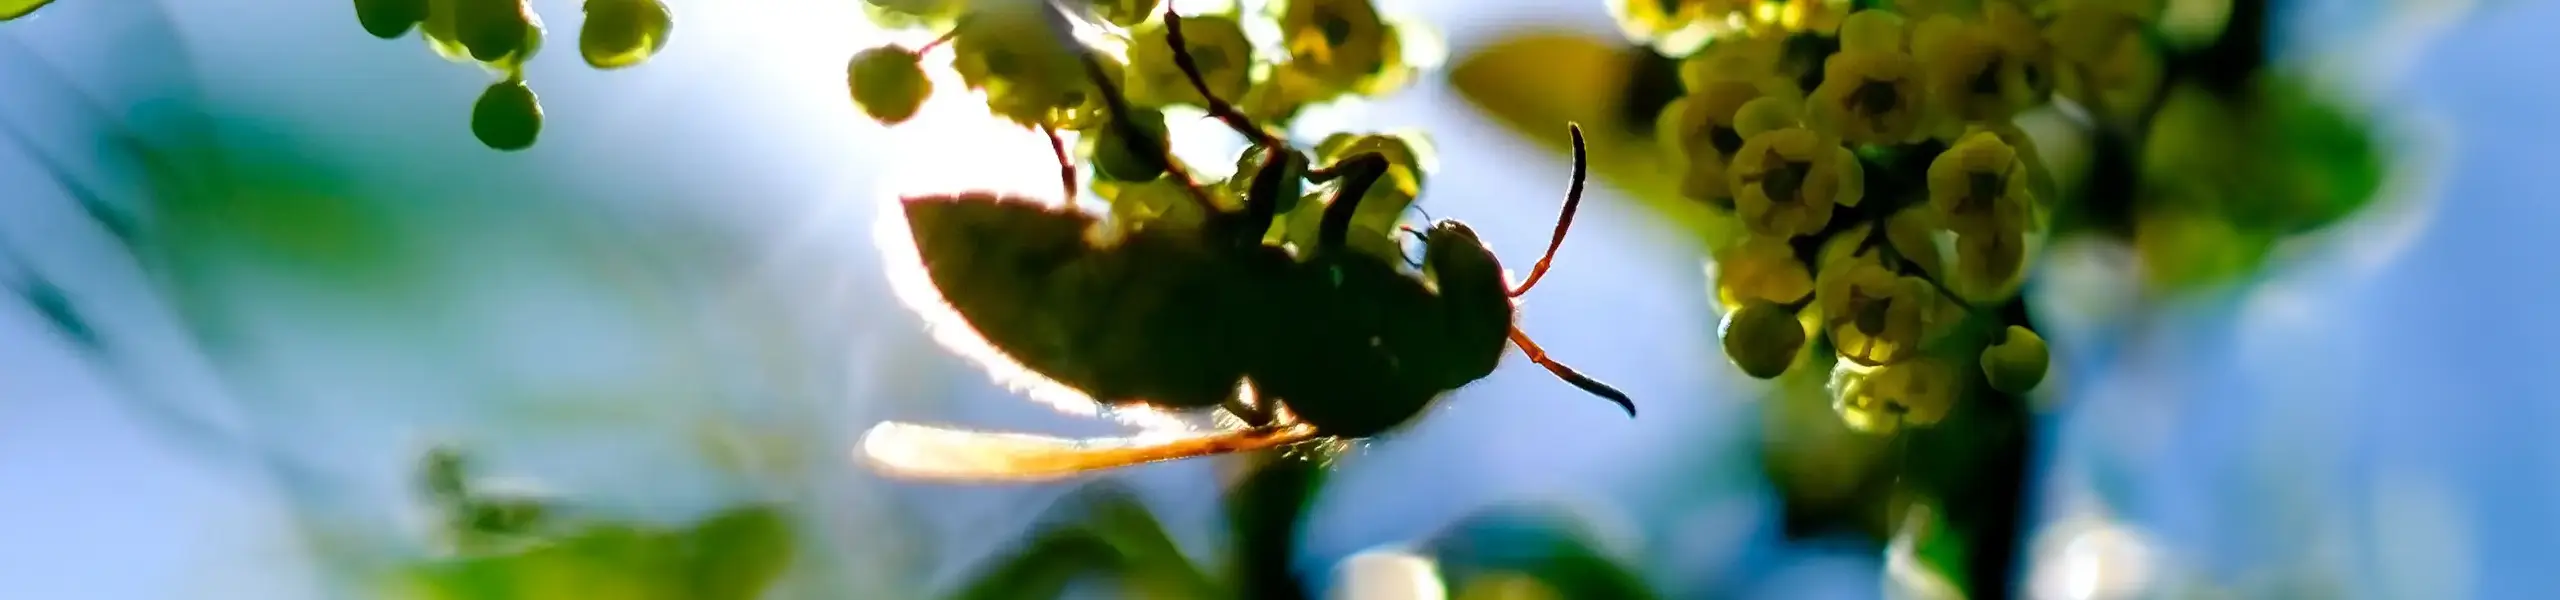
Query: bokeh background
{"type": "Point", "coordinates": [673, 304]}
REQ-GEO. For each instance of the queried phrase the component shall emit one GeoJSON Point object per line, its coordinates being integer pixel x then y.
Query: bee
{"type": "Point", "coordinates": [1179, 319]}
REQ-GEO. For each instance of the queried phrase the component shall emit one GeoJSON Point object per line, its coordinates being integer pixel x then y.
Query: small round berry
{"type": "Point", "coordinates": [492, 29]}
{"type": "Point", "coordinates": [2018, 362]}
{"type": "Point", "coordinates": [507, 117]}
{"type": "Point", "coordinates": [1762, 339]}
{"type": "Point", "coordinates": [888, 82]}
{"type": "Point", "coordinates": [622, 33]}
{"type": "Point", "coordinates": [386, 19]}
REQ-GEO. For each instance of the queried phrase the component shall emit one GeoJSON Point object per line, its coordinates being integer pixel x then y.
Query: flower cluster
{"type": "Point", "coordinates": [501, 35]}
{"type": "Point", "coordinates": [1037, 65]}
{"type": "Point", "coordinates": [1886, 202]}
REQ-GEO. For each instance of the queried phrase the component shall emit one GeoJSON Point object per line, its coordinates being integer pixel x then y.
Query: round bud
{"type": "Point", "coordinates": [888, 83]}
{"type": "Point", "coordinates": [2017, 363]}
{"type": "Point", "coordinates": [492, 29]}
{"type": "Point", "coordinates": [622, 33]}
{"type": "Point", "coordinates": [1762, 338]}
{"type": "Point", "coordinates": [507, 117]}
{"type": "Point", "coordinates": [390, 19]}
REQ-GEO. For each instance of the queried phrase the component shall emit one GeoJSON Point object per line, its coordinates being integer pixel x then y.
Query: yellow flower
{"type": "Point", "coordinates": [1785, 181]}
{"type": "Point", "coordinates": [1030, 71]}
{"type": "Point", "coordinates": [1873, 315]}
{"type": "Point", "coordinates": [1761, 268]}
{"type": "Point", "coordinates": [1989, 266]}
{"type": "Point", "coordinates": [2104, 60]}
{"type": "Point", "coordinates": [1869, 97]}
{"type": "Point", "coordinates": [1979, 186]}
{"type": "Point", "coordinates": [1338, 45]}
{"type": "Point", "coordinates": [1884, 399]}
{"type": "Point", "coordinates": [1986, 69]}
{"type": "Point", "coordinates": [1673, 27]}
{"type": "Point", "coordinates": [1913, 231]}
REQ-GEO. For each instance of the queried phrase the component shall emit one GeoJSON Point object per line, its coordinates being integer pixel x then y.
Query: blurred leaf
{"type": "Point", "coordinates": [1544, 544]}
{"type": "Point", "coordinates": [730, 556]}
{"type": "Point", "coordinates": [739, 552]}
{"type": "Point", "coordinates": [12, 9]}
{"type": "Point", "coordinates": [1099, 529]}
{"type": "Point", "coordinates": [1044, 567]}
{"type": "Point", "coordinates": [49, 302]}
{"type": "Point", "coordinates": [2224, 176]}
{"type": "Point", "coordinates": [266, 195]}
{"type": "Point", "coordinates": [2328, 162]}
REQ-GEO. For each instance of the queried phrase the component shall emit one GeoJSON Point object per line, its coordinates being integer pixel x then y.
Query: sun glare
{"type": "Point", "coordinates": [952, 145]}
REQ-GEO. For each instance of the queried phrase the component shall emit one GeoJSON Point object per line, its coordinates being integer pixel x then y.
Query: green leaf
{"type": "Point", "coordinates": [1540, 543]}
{"type": "Point", "coordinates": [738, 553]}
{"type": "Point", "coordinates": [1100, 529]}
{"type": "Point", "coordinates": [10, 10]}
{"type": "Point", "coordinates": [2328, 164]}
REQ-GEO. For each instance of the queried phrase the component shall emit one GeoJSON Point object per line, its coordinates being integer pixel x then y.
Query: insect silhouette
{"type": "Point", "coordinates": [1181, 319]}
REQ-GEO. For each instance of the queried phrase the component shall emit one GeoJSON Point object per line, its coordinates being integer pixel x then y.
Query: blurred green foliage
{"type": "Point", "coordinates": [517, 547]}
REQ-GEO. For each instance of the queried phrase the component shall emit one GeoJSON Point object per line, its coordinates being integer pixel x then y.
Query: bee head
{"type": "Point", "coordinates": [1451, 250]}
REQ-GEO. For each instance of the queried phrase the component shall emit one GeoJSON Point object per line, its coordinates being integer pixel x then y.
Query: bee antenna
{"type": "Point", "coordinates": [1572, 200]}
{"type": "Point", "coordinates": [1224, 112]}
{"type": "Point", "coordinates": [1418, 237]}
{"type": "Point", "coordinates": [1426, 214]}
{"type": "Point", "coordinates": [1569, 375]}
{"type": "Point", "coordinates": [1066, 165]}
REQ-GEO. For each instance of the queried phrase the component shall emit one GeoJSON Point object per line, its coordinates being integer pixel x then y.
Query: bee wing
{"type": "Point", "coordinates": [915, 451]}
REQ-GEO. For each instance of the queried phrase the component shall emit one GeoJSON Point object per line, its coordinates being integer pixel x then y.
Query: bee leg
{"type": "Point", "coordinates": [1358, 173]}
{"type": "Point", "coordinates": [1219, 108]}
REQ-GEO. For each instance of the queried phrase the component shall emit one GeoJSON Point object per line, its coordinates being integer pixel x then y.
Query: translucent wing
{"type": "Point", "coordinates": [914, 451]}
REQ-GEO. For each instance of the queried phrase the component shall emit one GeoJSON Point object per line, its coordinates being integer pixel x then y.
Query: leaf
{"type": "Point", "coordinates": [1099, 529]}
{"type": "Point", "coordinates": [1534, 82]}
{"type": "Point", "coordinates": [1044, 567]}
{"type": "Point", "coordinates": [1544, 544]}
{"type": "Point", "coordinates": [11, 10]}
{"type": "Point", "coordinates": [56, 308]}
{"type": "Point", "coordinates": [2328, 164]}
{"type": "Point", "coordinates": [738, 553]}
